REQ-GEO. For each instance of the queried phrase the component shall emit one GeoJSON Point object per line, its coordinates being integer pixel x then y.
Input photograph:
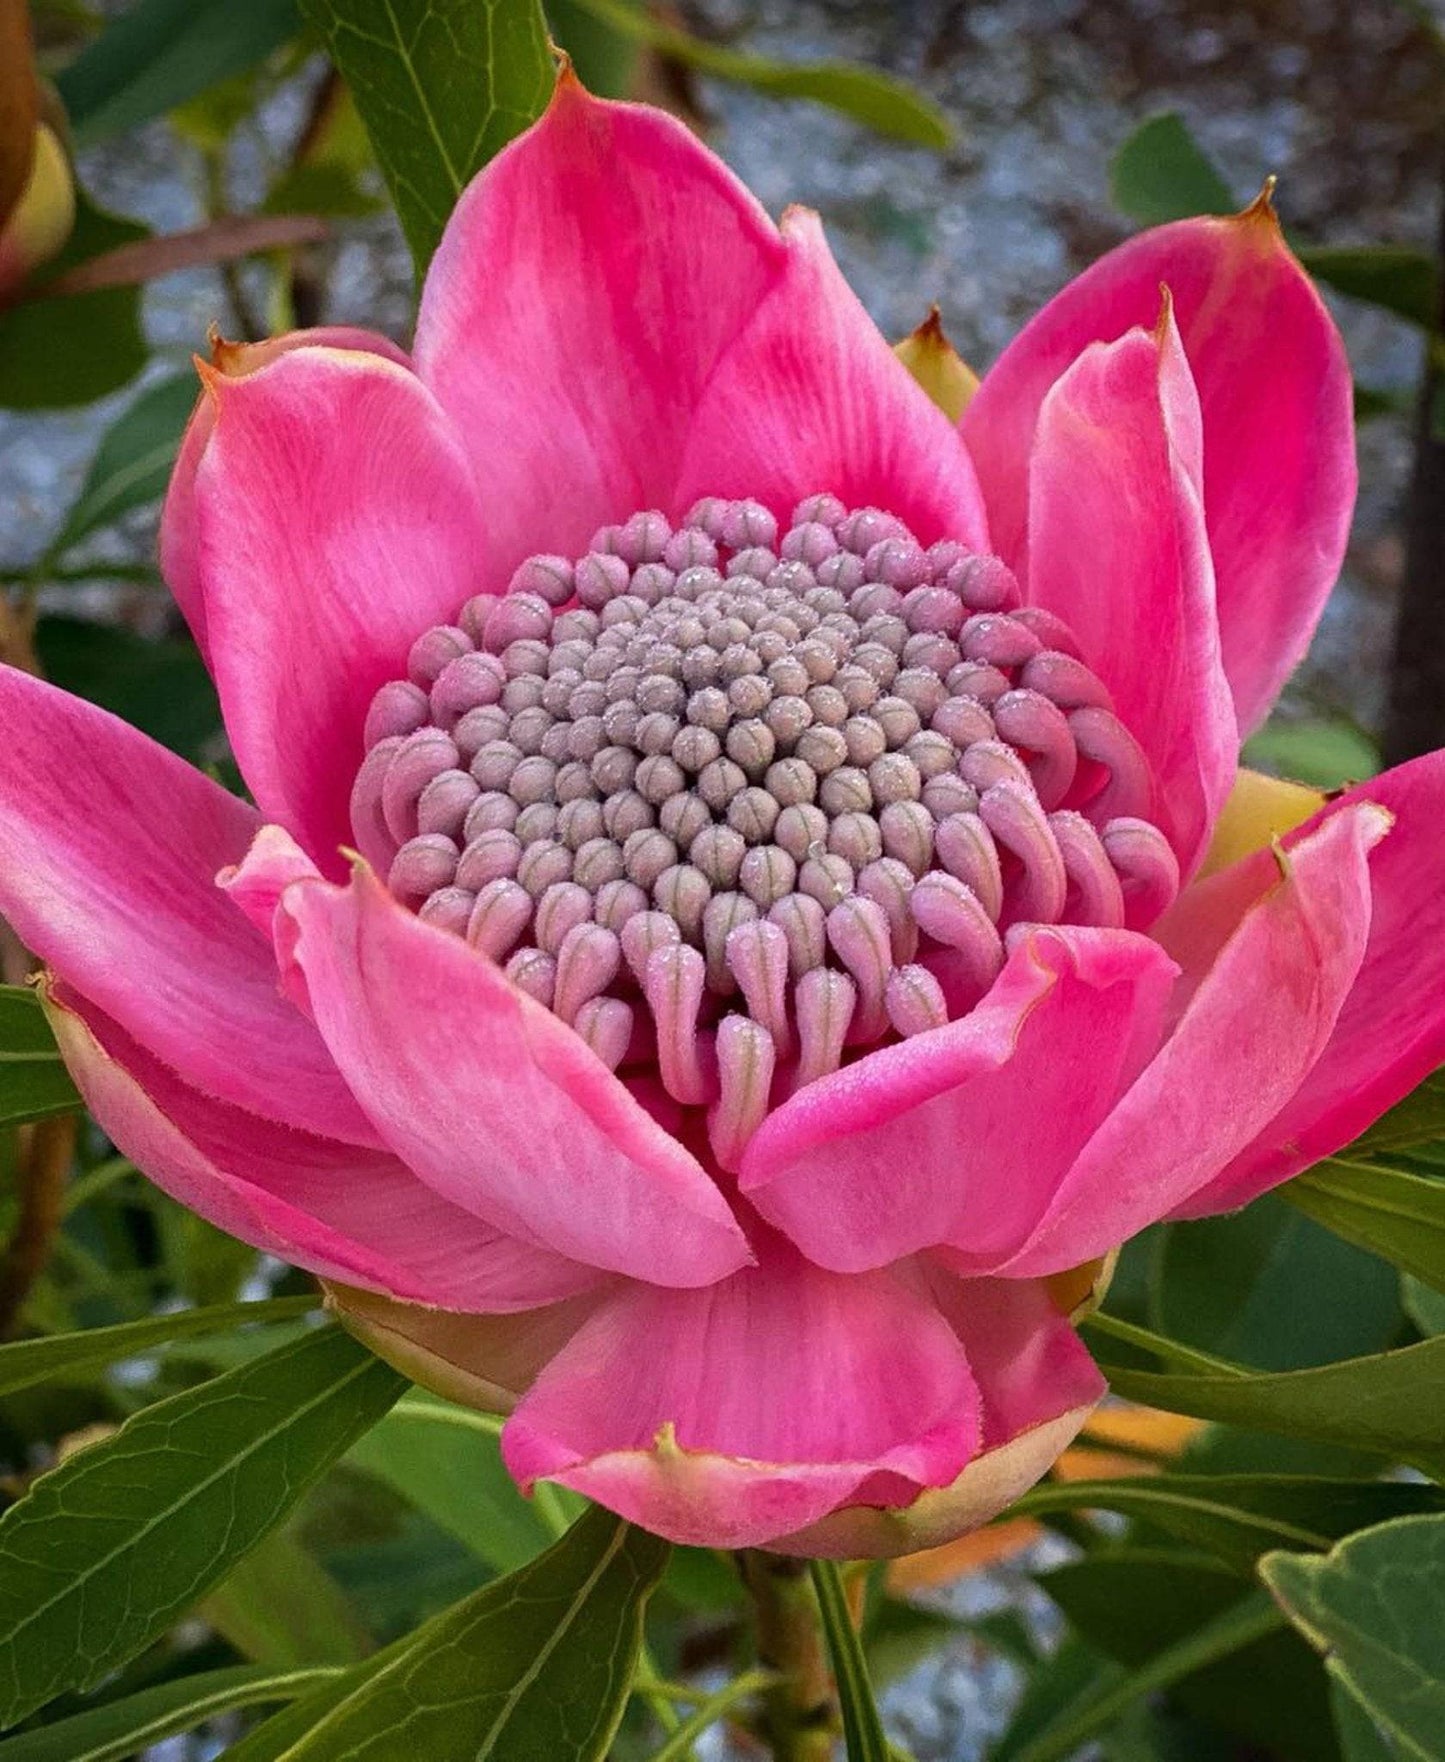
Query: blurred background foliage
{"type": "Point", "coordinates": [1264, 1492]}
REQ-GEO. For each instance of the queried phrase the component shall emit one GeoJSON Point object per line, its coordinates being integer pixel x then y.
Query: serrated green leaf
{"type": "Point", "coordinates": [161, 686]}
{"type": "Point", "coordinates": [107, 1550]}
{"type": "Point", "coordinates": [26, 1362]}
{"type": "Point", "coordinates": [442, 85]}
{"type": "Point", "coordinates": [1239, 1517]}
{"type": "Point", "coordinates": [59, 352]}
{"type": "Point", "coordinates": [862, 1727]}
{"type": "Point", "coordinates": [1375, 1606]}
{"type": "Point", "coordinates": [1398, 1215]}
{"type": "Point", "coordinates": [133, 461]}
{"type": "Point", "coordinates": [123, 1728]}
{"type": "Point", "coordinates": [538, 1664]}
{"type": "Point", "coordinates": [886, 105]}
{"type": "Point", "coordinates": [1392, 1403]}
{"type": "Point", "coordinates": [1162, 173]}
{"type": "Point", "coordinates": [157, 54]}
{"type": "Point", "coordinates": [34, 1082]}
{"type": "Point", "coordinates": [445, 1460]}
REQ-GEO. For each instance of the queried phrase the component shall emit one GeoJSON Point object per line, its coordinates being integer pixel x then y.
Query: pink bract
{"type": "Point", "coordinates": [738, 1306]}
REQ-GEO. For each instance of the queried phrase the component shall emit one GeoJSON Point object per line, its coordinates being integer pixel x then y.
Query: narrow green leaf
{"type": "Point", "coordinates": [1418, 1119]}
{"type": "Point", "coordinates": [26, 1362]}
{"type": "Point", "coordinates": [862, 1728]}
{"type": "Point", "coordinates": [1162, 173]}
{"type": "Point", "coordinates": [1398, 1215]}
{"type": "Point", "coordinates": [445, 1460]}
{"type": "Point", "coordinates": [33, 1079]}
{"type": "Point", "coordinates": [123, 1728]}
{"type": "Point", "coordinates": [678, 1747]}
{"type": "Point", "coordinates": [158, 53]}
{"type": "Point", "coordinates": [133, 461]}
{"type": "Point", "coordinates": [1395, 277]}
{"type": "Point", "coordinates": [280, 1607]}
{"type": "Point", "coordinates": [441, 85]}
{"type": "Point", "coordinates": [159, 684]}
{"type": "Point", "coordinates": [1248, 1620]}
{"type": "Point", "coordinates": [274, 1736]}
{"type": "Point", "coordinates": [1375, 1606]}
{"type": "Point", "coordinates": [1391, 1402]}
{"type": "Point", "coordinates": [1055, 1689]}
{"type": "Point", "coordinates": [107, 1550]}
{"type": "Point", "coordinates": [1426, 1308]}
{"type": "Point", "coordinates": [535, 1665]}
{"type": "Point", "coordinates": [1239, 1517]}
{"type": "Point", "coordinates": [72, 349]}
{"type": "Point", "coordinates": [886, 105]}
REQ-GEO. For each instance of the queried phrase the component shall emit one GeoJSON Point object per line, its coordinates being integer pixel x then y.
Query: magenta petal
{"type": "Point", "coordinates": [810, 397]}
{"type": "Point", "coordinates": [496, 1103]}
{"type": "Point", "coordinates": [1117, 548]}
{"type": "Point", "coordinates": [581, 296]}
{"type": "Point", "coordinates": [961, 1135]}
{"type": "Point", "coordinates": [179, 544]}
{"type": "Point", "coordinates": [1252, 1030]}
{"type": "Point", "coordinates": [734, 1415]}
{"type": "Point", "coordinates": [1391, 1032]}
{"type": "Point", "coordinates": [109, 849]}
{"type": "Point", "coordinates": [339, 1211]}
{"type": "Point", "coordinates": [1274, 386]}
{"type": "Point", "coordinates": [1037, 1386]}
{"type": "Point", "coordinates": [337, 519]}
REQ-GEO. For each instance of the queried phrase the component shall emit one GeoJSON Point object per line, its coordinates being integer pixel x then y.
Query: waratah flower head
{"type": "Point", "coordinates": [750, 897]}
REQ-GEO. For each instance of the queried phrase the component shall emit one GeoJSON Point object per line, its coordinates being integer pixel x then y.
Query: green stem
{"type": "Point", "coordinates": [799, 1709]}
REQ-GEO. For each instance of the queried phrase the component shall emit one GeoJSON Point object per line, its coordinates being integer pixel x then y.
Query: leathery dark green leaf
{"type": "Point", "coordinates": [107, 1550]}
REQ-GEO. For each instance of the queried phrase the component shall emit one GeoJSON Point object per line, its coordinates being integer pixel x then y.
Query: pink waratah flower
{"type": "Point", "coordinates": [807, 911]}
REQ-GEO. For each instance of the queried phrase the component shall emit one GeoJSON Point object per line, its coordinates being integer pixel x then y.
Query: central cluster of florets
{"type": "Point", "coordinates": [786, 793]}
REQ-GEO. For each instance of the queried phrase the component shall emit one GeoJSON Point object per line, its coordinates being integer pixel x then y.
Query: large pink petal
{"type": "Point", "coordinates": [335, 1209]}
{"type": "Point", "coordinates": [495, 1102]}
{"type": "Point", "coordinates": [1037, 1385]}
{"type": "Point", "coordinates": [1253, 1029]}
{"type": "Point", "coordinates": [1391, 1032]}
{"type": "Point", "coordinates": [179, 544]}
{"type": "Point", "coordinates": [584, 289]}
{"type": "Point", "coordinates": [337, 518]}
{"type": "Point", "coordinates": [109, 849]}
{"type": "Point", "coordinates": [731, 1416]}
{"type": "Point", "coordinates": [1117, 548]}
{"type": "Point", "coordinates": [811, 397]}
{"type": "Point", "coordinates": [960, 1136]}
{"type": "Point", "coordinates": [1274, 385]}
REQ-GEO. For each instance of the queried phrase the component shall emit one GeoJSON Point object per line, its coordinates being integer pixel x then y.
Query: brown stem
{"type": "Point", "coordinates": [1415, 718]}
{"type": "Point", "coordinates": [800, 1710]}
{"type": "Point", "coordinates": [46, 1149]}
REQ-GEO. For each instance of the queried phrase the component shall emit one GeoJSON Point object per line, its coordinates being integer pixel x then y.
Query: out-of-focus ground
{"type": "Point", "coordinates": [1341, 98]}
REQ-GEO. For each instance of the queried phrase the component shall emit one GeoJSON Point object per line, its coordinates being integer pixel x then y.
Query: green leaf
{"type": "Point", "coordinates": [161, 687]}
{"type": "Point", "coordinates": [133, 462]}
{"type": "Point", "coordinates": [1426, 1308]}
{"type": "Point", "coordinates": [862, 1728]}
{"type": "Point", "coordinates": [26, 1362]}
{"type": "Point", "coordinates": [1398, 1215]}
{"type": "Point", "coordinates": [121, 1729]}
{"type": "Point", "coordinates": [1162, 173]}
{"type": "Point", "coordinates": [1241, 1625]}
{"type": "Point", "coordinates": [158, 53]}
{"type": "Point", "coordinates": [33, 1079]}
{"type": "Point", "coordinates": [1239, 1517]}
{"type": "Point", "coordinates": [1360, 1738]}
{"type": "Point", "coordinates": [1416, 1120]}
{"type": "Point", "coordinates": [1396, 277]}
{"type": "Point", "coordinates": [535, 1665]}
{"type": "Point", "coordinates": [75, 348]}
{"type": "Point", "coordinates": [280, 1607]}
{"type": "Point", "coordinates": [107, 1550]}
{"type": "Point", "coordinates": [1326, 755]}
{"type": "Point", "coordinates": [888, 106]}
{"type": "Point", "coordinates": [1375, 1606]}
{"type": "Point", "coordinates": [445, 1461]}
{"type": "Point", "coordinates": [442, 85]}
{"type": "Point", "coordinates": [1390, 1402]}
{"type": "Point", "coordinates": [1055, 1691]}
{"type": "Point", "coordinates": [1270, 1288]}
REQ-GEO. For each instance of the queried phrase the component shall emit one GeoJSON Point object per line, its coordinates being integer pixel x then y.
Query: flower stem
{"type": "Point", "coordinates": [799, 1708]}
